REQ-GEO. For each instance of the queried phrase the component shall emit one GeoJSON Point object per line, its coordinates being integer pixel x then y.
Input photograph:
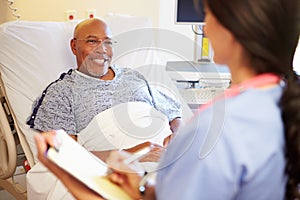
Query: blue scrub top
{"type": "Point", "coordinates": [234, 149]}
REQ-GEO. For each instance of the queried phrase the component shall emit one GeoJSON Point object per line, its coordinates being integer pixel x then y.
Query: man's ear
{"type": "Point", "coordinates": [73, 46]}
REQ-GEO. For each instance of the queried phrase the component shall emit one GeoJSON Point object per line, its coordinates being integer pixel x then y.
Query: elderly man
{"type": "Point", "coordinates": [72, 101]}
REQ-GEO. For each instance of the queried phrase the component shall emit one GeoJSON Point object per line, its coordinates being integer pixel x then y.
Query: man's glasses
{"type": "Point", "coordinates": [106, 43]}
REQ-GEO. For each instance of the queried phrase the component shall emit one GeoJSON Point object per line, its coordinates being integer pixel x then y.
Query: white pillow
{"type": "Point", "coordinates": [32, 54]}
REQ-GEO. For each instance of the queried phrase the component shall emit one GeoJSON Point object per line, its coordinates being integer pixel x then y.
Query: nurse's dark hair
{"type": "Point", "coordinates": [269, 32]}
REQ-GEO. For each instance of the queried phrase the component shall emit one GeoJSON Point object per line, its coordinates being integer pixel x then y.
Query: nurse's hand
{"type": "Point", "coordinates": [43, 141]}
{"type": "Point", "coordinates": [127, 176]}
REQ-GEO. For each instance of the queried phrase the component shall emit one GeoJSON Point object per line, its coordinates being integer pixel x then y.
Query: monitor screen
{"type": "Point", "coordinates": [186, 12]}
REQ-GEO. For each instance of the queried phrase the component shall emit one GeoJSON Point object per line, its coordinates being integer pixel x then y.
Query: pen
{"type": "Point", "coordinates": [57, 141]}
{"type": "Point", "coordinates": [52, 147]}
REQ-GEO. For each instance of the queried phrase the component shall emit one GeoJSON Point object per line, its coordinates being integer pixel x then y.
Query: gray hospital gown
{"type": "Point", "coordinates": [73, 100]}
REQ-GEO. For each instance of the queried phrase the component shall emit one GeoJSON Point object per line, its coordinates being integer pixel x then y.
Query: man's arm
{"type": "Point", "coordinates": [153, 156]}
{"type": "Point", "coordinates": [53, 109]}
{"type": "Point", "coordinates": [168, 106]}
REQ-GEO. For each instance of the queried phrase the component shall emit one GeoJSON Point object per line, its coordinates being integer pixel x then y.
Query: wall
{"type": "Point", "coordinates": [5, 13]}
{"type": "Point", "coordinates": [182, 35]}
{"type": "Point", "coordinates": [54, 10]}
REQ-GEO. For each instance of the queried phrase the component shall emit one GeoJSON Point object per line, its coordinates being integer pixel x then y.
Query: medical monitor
{"type": "Point", "coordinates": [188, 13]}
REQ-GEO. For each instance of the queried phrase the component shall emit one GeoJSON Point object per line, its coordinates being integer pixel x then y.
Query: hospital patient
{"type": "Point", "coordinates": [72, 101]}
{"type": "Point", "coordinates": [78, 96]}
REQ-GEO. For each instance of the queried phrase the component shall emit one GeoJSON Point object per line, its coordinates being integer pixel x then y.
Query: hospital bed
{"type": "Point", "coordinates": [33, 54]}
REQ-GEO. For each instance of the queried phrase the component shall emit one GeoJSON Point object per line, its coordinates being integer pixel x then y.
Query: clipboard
{"type": "Point", "coordinates": [85, 167]}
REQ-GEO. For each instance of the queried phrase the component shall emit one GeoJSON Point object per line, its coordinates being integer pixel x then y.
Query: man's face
{"type": "Point", "coordinates": [92, 47]}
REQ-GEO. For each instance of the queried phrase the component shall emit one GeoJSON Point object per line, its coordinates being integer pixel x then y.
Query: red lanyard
{"type": "Point", "coordinates": [255, 82]}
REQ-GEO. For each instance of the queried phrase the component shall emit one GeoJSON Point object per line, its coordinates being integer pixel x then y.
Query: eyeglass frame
{"type": "Point", "coordinates": [98, 42]}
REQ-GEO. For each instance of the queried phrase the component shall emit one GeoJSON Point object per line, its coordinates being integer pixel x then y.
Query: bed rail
{"type": "Point", "coordinates": [8, 151]}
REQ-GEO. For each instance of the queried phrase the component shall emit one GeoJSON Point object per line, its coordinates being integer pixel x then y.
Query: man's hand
{"type": "Point", "coordinates": [175, 124]}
